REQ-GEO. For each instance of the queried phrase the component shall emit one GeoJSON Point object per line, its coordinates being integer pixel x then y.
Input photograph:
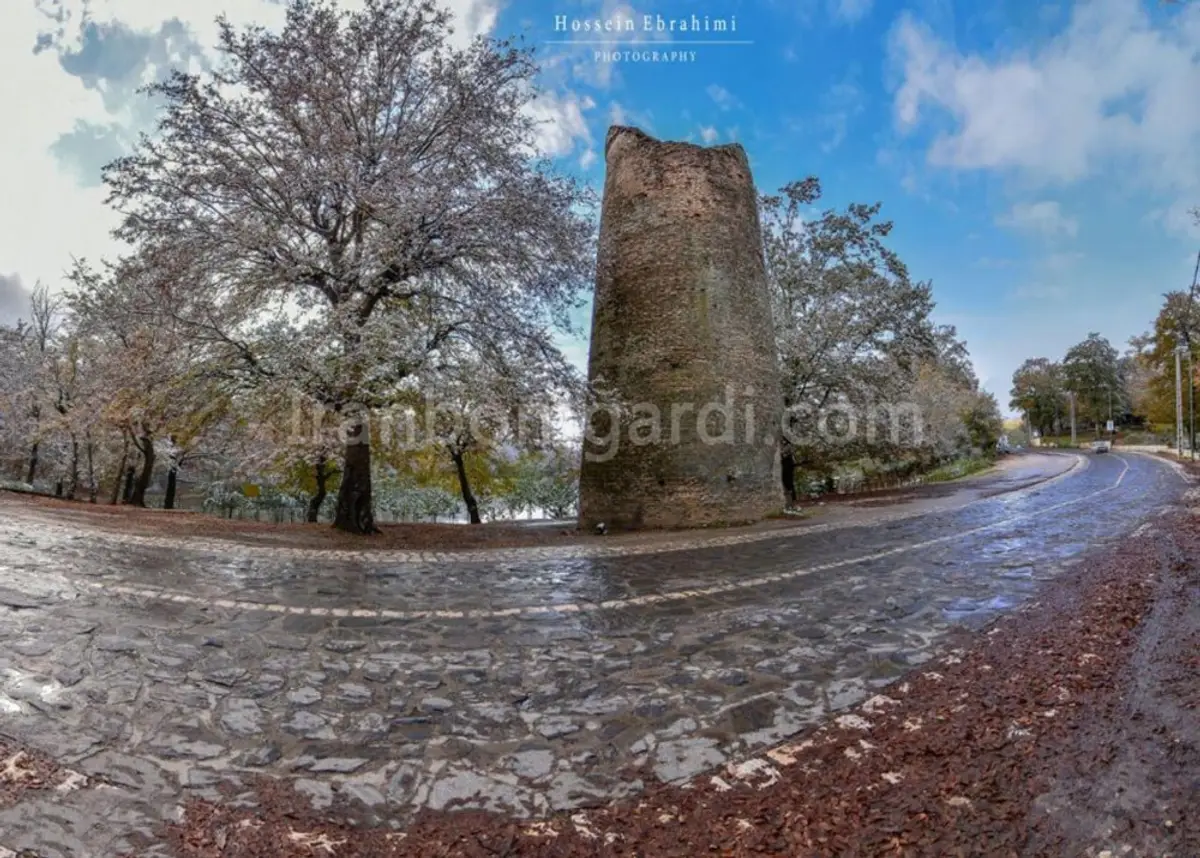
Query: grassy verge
{"type": "Point", "coordinates": [959, 468]}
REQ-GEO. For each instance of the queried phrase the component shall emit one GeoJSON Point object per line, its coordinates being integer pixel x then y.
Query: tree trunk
{"type": "Point", "coordinates": [33, 463]}
{"type": "Point", "coordinates": [169, 498]}
{"type": "Point", "coordinates": [58, 489]}
{"type": "Point", "coordinates": [463, 483]}
{"type": "Point", "coordinates": [91, 467]}
{"type": "Point", "coordinates": [73, 481]}
{"type": "Point", "coordinates": [354, 512]}
{"type": "Point", "coordinates": [127, 493]}
{"type": "Point", "coordinates": [146, 447]}
{"type": "Point", "coordinates": [321, 473]}
{"type": "Point", "coordinates": [116, 492]}
{"type": "Point", "coordinates": [787, 473]}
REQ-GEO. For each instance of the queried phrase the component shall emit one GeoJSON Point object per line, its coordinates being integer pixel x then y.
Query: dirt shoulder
{"type": "Point", "coordinates": [449, 537]}
{"type": "Point", "coordinates": [1068, 728]}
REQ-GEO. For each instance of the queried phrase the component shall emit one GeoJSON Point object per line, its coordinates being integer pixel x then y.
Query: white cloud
{"type": "Point", "coordinates": [708, 134]}
{"type": "Point", "coordinates": [14, 300]}
{"type": "Point", "coordinates": [561, 122]}
{"type": "Point", "coordinates": [1180, 218]}
{"type": "Point", "coordinates": [723, 98]}
{"type": "Point", "coordinates": [619, 114]}
{"type": "Point", "coordinates": [1114, 94]}
{"type": "Point", "coordinates": [995, 262]}
{"type": "Point", "coordinates": [73, 107]}
{"type": "Point", "coordinates": [841, 104]}
{"type": "Point", "coordinates": [1040, 292]}
{"type": "Point", "coordinates": [579, 61]}
{"type": "Point", "coordinates": [1044, 219]}
{"type": "Point", "coordinates": [850, 11]}
{"type": "Point", "coordinates": [1060, 262]}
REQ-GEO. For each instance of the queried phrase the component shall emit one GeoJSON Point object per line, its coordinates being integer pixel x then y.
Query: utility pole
{"type": "Point", "coordinates": [1191, 373]}
{"type": "Point", "coordinates": [1178, 404]}
{"type": "Point", "coordinates": [1191, 407]}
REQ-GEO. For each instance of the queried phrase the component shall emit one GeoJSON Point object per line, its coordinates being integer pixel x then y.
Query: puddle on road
{"type": "Point", "coordinates": [1021, 573]}
{"type": "Point", "coordinates": [969, 609]}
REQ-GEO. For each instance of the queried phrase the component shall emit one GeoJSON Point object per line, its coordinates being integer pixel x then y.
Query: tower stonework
{"type": "Point", "coordinates": [681, 328]}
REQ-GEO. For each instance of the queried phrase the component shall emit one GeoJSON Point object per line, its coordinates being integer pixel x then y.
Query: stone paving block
{"type": "Point", "coordinates": [517, 712]}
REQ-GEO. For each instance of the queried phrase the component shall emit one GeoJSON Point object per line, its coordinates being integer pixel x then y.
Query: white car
{"type": "Point", "coordinates": [1101, 446]}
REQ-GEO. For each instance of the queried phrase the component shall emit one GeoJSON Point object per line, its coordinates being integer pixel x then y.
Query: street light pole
{"type": "Point", "coordinates": [1178, 404]}
{"type": "Point", "coordinates": [1191, 374]}
{"type": "Point", "coordinates": [1191, 408]}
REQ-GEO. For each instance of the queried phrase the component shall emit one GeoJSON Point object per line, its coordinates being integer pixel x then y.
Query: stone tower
{"type": "Point", "coordinates": [681, 328]}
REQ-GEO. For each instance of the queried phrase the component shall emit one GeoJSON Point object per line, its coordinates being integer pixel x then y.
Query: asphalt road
{"type": "Point", "coordinates": [522, 680]}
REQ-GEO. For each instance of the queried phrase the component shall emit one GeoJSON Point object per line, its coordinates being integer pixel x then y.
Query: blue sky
{"type": "Point", "coordinates": [1038, 159]}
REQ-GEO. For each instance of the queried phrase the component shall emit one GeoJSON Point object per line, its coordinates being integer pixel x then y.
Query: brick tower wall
{"type": "Point", "coordinates": [681, 315]}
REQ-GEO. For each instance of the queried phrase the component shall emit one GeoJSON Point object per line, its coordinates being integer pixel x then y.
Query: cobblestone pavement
{"type": "Point", "coordinates": [522, 681]}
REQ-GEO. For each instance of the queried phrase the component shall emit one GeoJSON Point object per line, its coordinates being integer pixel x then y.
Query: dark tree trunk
{"type": "Point", "coordinates": [465, 485]}
{"type": "Point", "coordinates": [127, 492]}
{"type": "Point", "coordinates": [91, 467]}
{"type": "Point", "coordinates": [116, 492]}
{"type": "Point", "coordinates": [787, 473]}
{"type": "Point", "coordinates": [321, 472]}
{"type": "Point", "coordinates": [354, 507]}
{"type": "Point", "coordinates": [58, 489]}
{"type": "Point", "coordinates": [146, 447]}
{"type": "Point", "coordinates": [169, 497]}
{"type": "Point", "coordinates": [73, 482]}
{"type": "Point", "coordinates": [33, 463]}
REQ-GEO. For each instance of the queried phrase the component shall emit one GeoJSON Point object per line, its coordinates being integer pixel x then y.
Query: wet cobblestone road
{"type": "Point", "coordinates": [524, 680]}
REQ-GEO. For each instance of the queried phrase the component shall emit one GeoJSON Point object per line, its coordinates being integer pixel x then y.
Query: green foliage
{"type": "Point", "coordinates": [16, 486]}
{"type": "Point", "coordinates": [300, 478]}
{"type": "Point", "coordinates": [1038, 392]}
{"type": "Point", "coordinates": [1090, 371]}
{"type": "Point", "coordinates": [1017, 437]}
{"type": "Point", "coordinates": [408, 501]}
{"type": "Point", "coordinates": [982, 420]}
{"type": "Point", "coordinates": [855, 334]}
{"type": "Point", "coordinates": [959, 468]}
{"type": "Point", "coordinates": [543, 481]}
{"type": "Point", "coordinates": [224, 499]}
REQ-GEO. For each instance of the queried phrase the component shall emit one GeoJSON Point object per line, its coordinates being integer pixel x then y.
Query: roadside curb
{"type": "Point", "coordinates": [538, 552]}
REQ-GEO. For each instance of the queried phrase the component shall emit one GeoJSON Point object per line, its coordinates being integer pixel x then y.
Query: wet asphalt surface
{"type": "Point", "coordinates": [532, 682]}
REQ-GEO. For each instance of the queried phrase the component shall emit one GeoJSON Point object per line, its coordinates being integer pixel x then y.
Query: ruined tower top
{"type": "Point", "coordinates": [633, 136]}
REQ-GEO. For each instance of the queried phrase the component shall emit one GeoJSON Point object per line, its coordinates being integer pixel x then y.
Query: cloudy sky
{"type": "Point", "coordinates": [1039, 159]}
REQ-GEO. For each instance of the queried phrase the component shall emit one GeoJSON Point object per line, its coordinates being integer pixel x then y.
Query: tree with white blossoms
{"type": "Point", "coordinates": [956, 415]}
{"type": "Point", "coordinates": [15, 383]}
{"type": "Point", "coordinates": [849, 321]}
{"type": "Point", "coordinates": [500, 392]}
{"type": "Point", "coordinates": [45, 321]}
{"type": "Point", "coordinates": [160, 389]}
{"type": "Point", "coordinates": [67, 387]}
{"type": "Point", "coordinates": [344, 197]}
{"type": "Point", "coordinates": [282, 435]}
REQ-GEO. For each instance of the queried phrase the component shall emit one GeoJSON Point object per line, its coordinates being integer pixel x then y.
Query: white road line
{"type": "Point", "coordinates": [610, 605]}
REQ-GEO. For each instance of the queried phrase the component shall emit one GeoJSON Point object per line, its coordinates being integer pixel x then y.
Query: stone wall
{"type": "Point", "coordinates": [682, 316]}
